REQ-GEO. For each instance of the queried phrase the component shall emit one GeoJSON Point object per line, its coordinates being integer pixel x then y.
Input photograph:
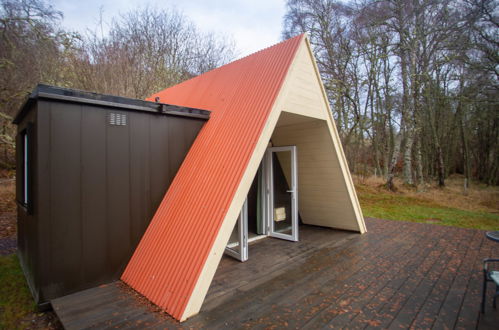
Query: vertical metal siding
{"type": "Point", "coordinates": [171, 255]}
{"type": "Point", "coordinates": [97, 187]}
{"type": "Point", "coordinates": [27, 223]}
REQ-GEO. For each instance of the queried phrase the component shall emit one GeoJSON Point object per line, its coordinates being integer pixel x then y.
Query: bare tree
{"type": "Point", "coordinates": [146, 50]}
{"type": "Point", "coordinates": [30, 48]}
{"type": "Point", "coordinates": [411, 82]}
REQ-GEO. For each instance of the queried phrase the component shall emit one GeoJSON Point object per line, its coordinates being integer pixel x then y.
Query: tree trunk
{"type": "Point", "coordinates": [440, 166]}
{"type": "Point", "coordinates": [407, 170]}
{"type": "Point", "coordinates": [393, 163]}
{"type": "Point", "coordinates": [419, 165]}
{"type": "Point", "coordinates": [407, 112]}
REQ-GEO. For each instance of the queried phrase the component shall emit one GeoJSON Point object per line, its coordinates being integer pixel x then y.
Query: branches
{"type": "Point", "coordinates": [145, 50]}
{"type": "Point", "coordinates": [401, 61]}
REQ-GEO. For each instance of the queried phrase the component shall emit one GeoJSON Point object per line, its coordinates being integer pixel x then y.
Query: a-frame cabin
{"type": "Point", "coordinates": [274, 97]}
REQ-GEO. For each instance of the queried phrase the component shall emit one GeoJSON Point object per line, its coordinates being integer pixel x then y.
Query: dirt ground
{"type": "Point", "coordinates": [478, 197]}
{"type": "Point", "coordinates": [38, 321]}
{"type": "Point", "coordinates": [8, 221]}
{"type": "Point", "coordinates": [8, 225]}
{"type": "Point", "coordinates": [8, 245]}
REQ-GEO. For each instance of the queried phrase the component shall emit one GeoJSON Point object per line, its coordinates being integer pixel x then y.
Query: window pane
{"type": "Point", "coordinates": [25, 169]}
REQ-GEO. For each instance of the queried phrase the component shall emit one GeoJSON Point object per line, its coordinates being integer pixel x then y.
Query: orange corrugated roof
{"type": "Point", "coordinates": [171, 255]}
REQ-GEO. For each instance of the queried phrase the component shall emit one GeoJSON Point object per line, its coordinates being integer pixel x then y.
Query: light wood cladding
{"type": "Point", "coordinates": [323, 195]}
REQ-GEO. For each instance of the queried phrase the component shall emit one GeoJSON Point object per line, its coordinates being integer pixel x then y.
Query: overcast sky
{"type": "Point", "coordinates": [253, 24]}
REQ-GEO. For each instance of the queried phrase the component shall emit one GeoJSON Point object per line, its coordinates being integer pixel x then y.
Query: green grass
{"type": "Point", "coordinates": [398, 207]}
{"type": "Point", "coordinates": [15, 299]}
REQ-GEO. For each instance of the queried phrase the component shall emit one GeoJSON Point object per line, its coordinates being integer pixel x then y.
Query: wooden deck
{"type": "Point", "coordinates": [398, 275]}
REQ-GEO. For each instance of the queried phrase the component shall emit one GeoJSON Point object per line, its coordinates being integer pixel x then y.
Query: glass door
{"type": "Point", "coordinates": [282, 210]}
{"type": "Point", "coordinates": [238, 242]}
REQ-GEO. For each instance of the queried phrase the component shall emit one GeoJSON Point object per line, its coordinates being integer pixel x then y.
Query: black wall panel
{"type": "Point", "coordinates": [97, 186]}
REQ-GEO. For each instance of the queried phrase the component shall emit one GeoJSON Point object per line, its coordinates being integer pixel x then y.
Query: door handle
{"type": "Point", "coordinates": [290, 191]}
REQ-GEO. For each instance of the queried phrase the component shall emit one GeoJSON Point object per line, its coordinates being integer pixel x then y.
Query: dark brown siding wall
{"type": "Point", "coordinates": [99, 185]}
{"type": "Point", "coordinates": [27, 224]}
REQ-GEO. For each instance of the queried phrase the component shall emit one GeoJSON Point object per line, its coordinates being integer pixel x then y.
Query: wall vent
{"type": "Point", "coordinates": [117, 119]}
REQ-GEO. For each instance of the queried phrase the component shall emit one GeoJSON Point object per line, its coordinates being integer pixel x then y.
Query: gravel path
{"type": "Point", "coordinates": [8, 245]}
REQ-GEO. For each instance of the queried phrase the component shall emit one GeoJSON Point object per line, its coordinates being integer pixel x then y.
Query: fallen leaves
{"type": "Point", "coordinates": [8, 213]}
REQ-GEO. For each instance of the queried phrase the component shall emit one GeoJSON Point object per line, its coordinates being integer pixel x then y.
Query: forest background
{"type": "Point", "coordinates": [413, 84]}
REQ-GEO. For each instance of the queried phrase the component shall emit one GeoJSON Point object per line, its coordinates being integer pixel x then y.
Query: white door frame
{"type": "Point", "coordinates": [293, 191]}
{"type": "Point", "coordinates": [240, 250]}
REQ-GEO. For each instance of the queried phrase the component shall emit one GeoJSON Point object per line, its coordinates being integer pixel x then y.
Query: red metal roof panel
{"type": "Point", "coordinates": [171, 255]}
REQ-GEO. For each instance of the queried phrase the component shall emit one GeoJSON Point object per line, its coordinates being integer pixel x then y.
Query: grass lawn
{"type": "Point", "coordinates": [16, 303]}
{"type": "Point", "coordinates": [387, 206]}
{"type": "Point", "coordinates": [447, 206]}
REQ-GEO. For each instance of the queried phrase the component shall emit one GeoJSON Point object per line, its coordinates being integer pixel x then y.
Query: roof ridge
{"type": "Point", "coordinates": [261, 50]}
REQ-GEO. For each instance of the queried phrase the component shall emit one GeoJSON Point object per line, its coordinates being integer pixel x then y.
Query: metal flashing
{"type": "Point", "coordinates": [72, 95]}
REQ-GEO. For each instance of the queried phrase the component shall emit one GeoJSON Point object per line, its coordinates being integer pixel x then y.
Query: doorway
{"type": "Point", "coordinates": [271, 207]}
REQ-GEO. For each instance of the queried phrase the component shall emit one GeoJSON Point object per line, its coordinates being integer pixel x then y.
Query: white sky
{"type": "Point", "coordinates": [253, 24]}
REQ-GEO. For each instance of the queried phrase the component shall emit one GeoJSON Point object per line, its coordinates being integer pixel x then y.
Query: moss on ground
{"type": "Point", "coordinates": [16, 302]}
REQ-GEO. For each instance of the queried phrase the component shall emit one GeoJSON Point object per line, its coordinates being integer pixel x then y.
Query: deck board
{"type": "Point", "coordinates": [398, 275]}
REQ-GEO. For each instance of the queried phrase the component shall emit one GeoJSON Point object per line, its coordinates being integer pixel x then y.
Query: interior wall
{"type": "Point", "coordinates": [252, 206]}
{"type": "Point", "coordinates": [323, 197]}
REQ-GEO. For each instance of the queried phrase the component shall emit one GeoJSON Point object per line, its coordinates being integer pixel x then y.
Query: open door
{"type": "Point", "coordinates": [238, 242]}
{"type": "Point", "coordinates": [282, 188]}
{"type": "Point", "coordinates": [277, 203]}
